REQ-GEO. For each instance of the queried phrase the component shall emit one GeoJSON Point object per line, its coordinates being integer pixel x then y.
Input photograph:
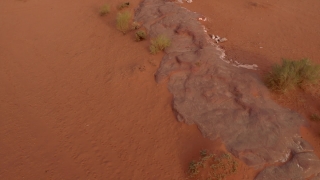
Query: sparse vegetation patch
{"type": "Point", "coordinates": [212, 167]}
{"type": "Point", "coordinates": [123, 5]}
{"type": "Point", "coordinates": [105, 9]}
{"type": "Point", "coordinates": [141, 35]}
{"type": "Point", "coordinates": [291, 74]}
{"type": "Point", "coordinates": [159, 44]}
{"type": "Point", "coordinates": [123, 20]}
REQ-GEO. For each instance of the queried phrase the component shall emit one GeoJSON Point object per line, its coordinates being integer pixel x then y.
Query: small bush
{"type": "Point", "coordinates": [203, 153]}
{"type": "Point", "coordinates": [123, 5]}
{"type": "Point", "coordinates": [193, 168]}
{"type": "Point", "coordinates": [141, 35]}
{"type": "Point", "coordinates": [159, 44]}
{"type": "Point", "coordinates": [123, 20]}
{"type": "Point", "coordinates": [105, 9]}
{"type": "Point", "coordinates": [210, 166]}
{"type": "Point", "coordinates": [292, 74]}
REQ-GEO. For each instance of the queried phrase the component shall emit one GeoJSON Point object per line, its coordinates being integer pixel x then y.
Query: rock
{"type": "Point", "coordinates": [300, 167]}
{"type": "Point", "coordinates": [224, 101]}
{"type": "Point", "coordinates": [223, 39]}
{"type": "Point", "coordinates": [218, 39]}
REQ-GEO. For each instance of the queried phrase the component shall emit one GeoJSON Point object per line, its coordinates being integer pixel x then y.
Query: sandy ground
{"type": "Point", "coordinates": [78, 99]}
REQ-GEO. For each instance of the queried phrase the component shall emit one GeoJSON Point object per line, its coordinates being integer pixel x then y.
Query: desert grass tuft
{"type": "Point", "coordinates": [123, 20]}
{"type": "Point", "coordinates": [193, 168]}
{"type": "Point", "coordinates": [141, 35]}
{"type": "Point", "coordinates": [105, 9]}
{"type": "Point", "coordinates": [123, 5]}
{"type": "Point", "coordinates": [291, 74]}
{"type": "Point", "coordinates": [159, 44]}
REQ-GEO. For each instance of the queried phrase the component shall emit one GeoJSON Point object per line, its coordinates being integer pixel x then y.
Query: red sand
{"type": "Point", "coordinates": [66, 109]}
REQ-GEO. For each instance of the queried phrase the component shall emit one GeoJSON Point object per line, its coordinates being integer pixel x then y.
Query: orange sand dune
{"type": "Point", "coordinates": [78, 99]}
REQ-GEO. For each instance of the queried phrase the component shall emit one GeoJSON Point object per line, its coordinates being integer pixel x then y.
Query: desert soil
{"type": "Point", "coordinates": [79, 101]}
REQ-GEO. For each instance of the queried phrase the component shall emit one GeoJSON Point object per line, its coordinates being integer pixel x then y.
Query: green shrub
{"type": "Point", "coordinates": [123, 20]}
{"type": "Point", "coordinates": [159, 44]}
{"type": "Point", "coordinates": [105, 9]}
{"type": "Point", "coordinates": [123, 5]}
{"type": "Point", "coordinates": [292, 74]}
{"type": "Point", "coordinates": [141, 35]}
